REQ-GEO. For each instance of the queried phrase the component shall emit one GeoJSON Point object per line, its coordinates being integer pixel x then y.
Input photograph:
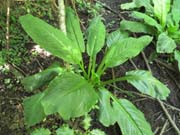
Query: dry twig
{"type": "Point", "coordinates": [164, 127]}
{"type": "Point", "coordinates": [165, 65]}
{"type": "Point", "coordinates": [7, 24]}
{"type": "Point", "coordinates": [61, 8]}
{"type": "Point", "coordinates": [169, 117]}
{"type": "Point", "coordinates": [161, 103]}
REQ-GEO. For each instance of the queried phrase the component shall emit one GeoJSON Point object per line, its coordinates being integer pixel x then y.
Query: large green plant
{"type": "Point", "coordinates": [161, 19]}
{"type": "Point", "coordinates": [71, 93]}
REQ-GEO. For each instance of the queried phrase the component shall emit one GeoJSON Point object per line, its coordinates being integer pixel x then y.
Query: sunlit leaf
{"type": "Point", "coordinates": [116, 36]}
{"type": "Point", "coordinates": [33, 110]}
{"type": "Point", "coordinates": [96, 36]}
{"type": "Point", "coordinates": [175, 35]}
{"type": "Point", "coordinates": [176, 11]}
{"type": "Point", "coordinates": [40, 79]}
{"type": "Point", "coordinates": [41, 131]}
{"type": "Point", "coordinates": [165, 44]}
{"type": "Point", "coordinates": [64, 130]}
{"type": "Point", "coordinates": [107, 115]}
{"type": "Point", "coordinates": [129, 118]}
{"type": "Point", "coordinates": [70, 95]}
{"type": "Point", "coordinates": [147, 84]}
{"type": "Point", "coordinates": [51, 39]}
{"type": "Point", "coordinates": [161, 9]}
{"type": "Point", "coordinates": [125, 49]}
{"type": "Point", "coordinates": [147, 19]}
{"type": "Point", "coordinates": [73, 29]}
{"type": "Point", "coordinates": [171, 25]}
{"type": "Point", "coordinates": [96, 132]}
{"type": "Point", "coordinates": [138, 4]}
{"type": "Point", "coordinates": [137, 27]}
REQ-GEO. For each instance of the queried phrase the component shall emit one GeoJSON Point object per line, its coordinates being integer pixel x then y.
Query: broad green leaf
{"type": "Point", "coordinates": [165, 44]}
{"type": "Point", "coordinates": [125, 49]}
{"type": "Point", "coordinates": [64, 130]}
{"type": "Point", "coordinates": [147, 19]}
{"type": "Point", "coordinates": [138, 4]}
{"type": "Point", "coordinates": [51, 39]}
{"type": "Point", "coordinates": [96, 36]}
{"type": "Point", "coordinates": [33, 110]}
{"type": "Point", "coordinates": [96, 132]}
{"type": "Point", "coordinates": [41, 131]}
{"type": "Point", "coordinates": [161, 9]}
{"type": "Point", "coordinates": [177, 57]}
{"type": "Point", "coordinates": [107, 115]}
{"type": "Point", "coordinates": [175, 35]}
{"type": "Point", "coordinates": [116, 36]}
{"type": "Point", "coordinates": [137, 27]}
{"type": "Point", "coordinates": [147, 84]}
{"type": "Point", "coordinates": [73, 29]}
{"type": "Point", "coordinates": [70, 95]}
{"type": "Point", "coordinates": [40, 79]}
{"type": "Point", "coordinates": [176, 11]}
{"type": "Point", "coordinates": [129, 118]}
{"type": "Point", "coordinates": [171, 26]}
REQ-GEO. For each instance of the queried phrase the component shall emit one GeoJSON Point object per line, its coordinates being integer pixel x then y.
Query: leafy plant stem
{"type": "Point", "coordinates": [124, 91]}
{"type": "Point", "coordinates": [117, 80]}
{"type": "Point", "coordinates": [102, 64]}
{"type": "Point", "coordinates": [102, 71]}
{"type": "Point", "coordinates": [81, 65]}
{"type": "Point", "coordinates": [89, 67]}
{"type": "Point", "coordinates": [93, 66]}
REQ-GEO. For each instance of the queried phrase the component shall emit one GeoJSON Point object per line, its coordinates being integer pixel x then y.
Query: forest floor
{"type": "Point", "coordinates": [12, 93]}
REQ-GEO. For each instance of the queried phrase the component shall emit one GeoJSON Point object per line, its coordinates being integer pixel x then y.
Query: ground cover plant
{"type": "Point", "coordinates": [160, 19]}
{"type": "Point", "coordinates": [76, 89]}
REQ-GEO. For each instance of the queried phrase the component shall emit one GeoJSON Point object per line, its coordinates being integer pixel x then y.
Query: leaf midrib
{"type": "Point", "coordinates": [129, 116]}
